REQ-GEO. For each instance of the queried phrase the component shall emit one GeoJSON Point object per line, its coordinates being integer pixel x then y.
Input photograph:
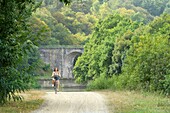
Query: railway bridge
{"type": "Point", "coordinates": [62, 57]}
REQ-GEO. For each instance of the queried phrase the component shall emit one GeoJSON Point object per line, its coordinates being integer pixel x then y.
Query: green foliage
{"type": "Point", "coordinates": [99, 83]}
{"type": "Point", "coordinates": [81, 6]}
{"type": "Point", "coordinates": [34, 67]}
{"type": "Point", "coordinates": [167, 8]}
{"type": "Point", "coordinates": [46, 67]}
{"type": "Point", "coordinates": [18, 53]}
{"type": "Point", "coordinates": [122, 44]}
{"type": "Point", "coordinates": [62, 22]}
{"type": "Point", "coordinates": [142, 51]}
{"type": "Point", "coordinates": [34, 84]}
{"type": "Point", "coordinates": [14, 43]}
{"type": "Point", "coordinates": [126, 7]}
{"type": "Point", "coordinates": [154, 7]}
{"type": "Point", "coordinates": [97, 58]}
{"type": "Point", "coordinates": [147, 63]}
{"type": "Point", "coordinates": [166, 84]}
{"type": "Point", "coordinates": [41, 29]}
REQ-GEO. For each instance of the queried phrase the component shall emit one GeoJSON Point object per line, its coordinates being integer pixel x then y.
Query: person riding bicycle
{"type": "Point", "coordinates": [56, 76]}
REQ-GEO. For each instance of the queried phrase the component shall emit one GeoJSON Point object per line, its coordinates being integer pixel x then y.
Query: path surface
{"type": "Point", "coordinates": [73, 102]}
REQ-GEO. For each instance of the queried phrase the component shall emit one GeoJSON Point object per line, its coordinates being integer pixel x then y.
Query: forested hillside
{"type": "Point", "coordinates": [129, 49]}
{"type": "Point", "coordinates": [126, 42]}
{"type": "Point", "coordinates": [73, 24]}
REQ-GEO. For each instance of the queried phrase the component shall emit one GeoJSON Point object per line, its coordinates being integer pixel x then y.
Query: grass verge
{"type": "Point", "coordinates": [136, 102]}
{"type": "Point", "coordinates": [32, 100]}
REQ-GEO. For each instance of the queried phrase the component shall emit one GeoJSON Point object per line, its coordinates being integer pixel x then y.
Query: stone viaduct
{"type": "Point", "coordinates": [63, 58]}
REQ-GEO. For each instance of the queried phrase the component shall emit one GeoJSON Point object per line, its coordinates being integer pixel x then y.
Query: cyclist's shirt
{"type": "Point", "coordinates": [56, 76]}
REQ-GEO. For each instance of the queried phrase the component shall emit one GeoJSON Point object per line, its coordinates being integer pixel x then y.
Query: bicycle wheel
{"type": "Point", "coordinates": [55, 86]}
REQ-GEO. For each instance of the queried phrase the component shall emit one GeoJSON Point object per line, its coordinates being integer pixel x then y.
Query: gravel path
{"type": "Point", "coordinates": [73, 102]}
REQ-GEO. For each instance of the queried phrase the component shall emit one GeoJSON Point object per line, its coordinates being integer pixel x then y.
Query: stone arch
{"type": "Point", "coordinates": [61, 57]}
{"type": "Point", "coordinates": [70, 60]}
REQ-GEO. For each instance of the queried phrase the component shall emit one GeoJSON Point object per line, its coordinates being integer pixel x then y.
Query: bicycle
{"type": "Point", "coordinates": [56, 86]}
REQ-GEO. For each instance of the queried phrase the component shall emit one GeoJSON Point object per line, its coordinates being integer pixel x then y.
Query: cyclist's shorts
{"type": "Point", "coordinates": [56, 77]}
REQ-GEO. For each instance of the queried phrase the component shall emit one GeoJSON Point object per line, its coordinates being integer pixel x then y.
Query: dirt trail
{"type": "Point", "coordinates": [73, 102]}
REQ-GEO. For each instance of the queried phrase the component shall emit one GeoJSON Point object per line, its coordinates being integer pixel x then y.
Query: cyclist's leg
{"type": "Point", "coordinates": [53, 80]}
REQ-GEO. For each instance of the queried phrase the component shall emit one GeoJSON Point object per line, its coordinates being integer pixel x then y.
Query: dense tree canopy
{"type": "Point", "coordinates": [105, 51]}
{"type": "Point", "coordinates": [15, 40]}
{"type": "Point", "coordinates": [154, 7]}
{"type": "Point", "coordinates": [18, 39]}
{"type": "Point", "coordinates": [130, 54]}
{"type": "Point", "coordinates": [122, 39]}
{"type": "Point", "coordinates": [80, 16]}
{"type": "Point", "coordinates": [147, 63]}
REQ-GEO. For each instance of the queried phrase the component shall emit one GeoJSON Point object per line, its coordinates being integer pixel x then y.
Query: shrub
{"type": "Point", "coordinates": [99, 83]}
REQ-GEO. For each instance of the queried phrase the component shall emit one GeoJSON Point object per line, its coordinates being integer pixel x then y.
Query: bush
{"type": "Point", "coordinates": [166, 85]}
{"type": "Point", "coordinates": [34, 83]}
{"type": "Point", "coordinates": [99, 83]}
{"type": "Point", "coordinates": [46, 67]}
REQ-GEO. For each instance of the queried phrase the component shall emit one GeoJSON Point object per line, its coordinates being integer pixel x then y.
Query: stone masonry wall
{"type": "Point", "coordinates": [62, 58]}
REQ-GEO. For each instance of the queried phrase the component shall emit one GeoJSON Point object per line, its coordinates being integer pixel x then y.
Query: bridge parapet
{"type": "Point", "coordinates": [65, 85]}
{"type": "Point", "coordinates": [62, 46]}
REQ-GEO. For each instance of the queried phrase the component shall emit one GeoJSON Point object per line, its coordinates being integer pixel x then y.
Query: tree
{"type": "Point", "coordinates": [147, 63]}
{"type": "Point", "coordinates": [98, 58]}
{"type": "Point", "coordinates": [154, 7]}
{"type": "Point", "coordinates": [167, 8]}
{"type": "Point", "coordinates": [15, 42]}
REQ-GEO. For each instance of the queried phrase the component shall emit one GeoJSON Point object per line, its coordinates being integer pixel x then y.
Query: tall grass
{"type": "Point", "coordinates": [32, 100]}
{"type": "Point", "coordinates": [136, 102]}
{"type": "Point", "coordinates": [124, 99]}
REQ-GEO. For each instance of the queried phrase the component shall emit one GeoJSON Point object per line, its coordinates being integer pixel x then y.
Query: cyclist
{"type": "Point", "coordinates": [56, 75]}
